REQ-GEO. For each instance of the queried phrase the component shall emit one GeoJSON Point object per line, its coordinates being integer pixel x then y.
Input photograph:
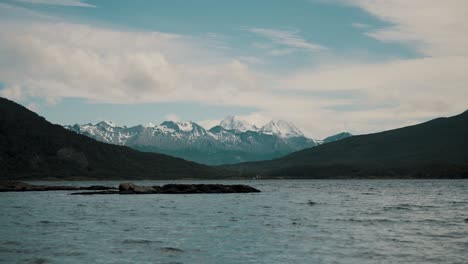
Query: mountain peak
{"type": "Point", "coordinates": [237, 123]}
{"type": "Point", "coordinates": [185, 127]}
{"type": "Point", "coordinates": [106, 123]}
{"type": "Point", "coordinates": [170, 124]}
{"type": "Point", "coordinates": [282, 128]}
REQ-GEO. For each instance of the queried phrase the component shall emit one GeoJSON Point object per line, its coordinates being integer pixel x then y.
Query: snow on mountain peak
{"type": "Point", "coordinates": [150, 124]}
{"type": "Point", "coordinates": [237, 123]}
{"type": "Point", "coordinates": [106, 124]}
{"type": "Point", "coordinates": [189, 128]}
{"type": "Point", "coordinates": [281, 128]}
{"type": "Point", "coordinates": [185, 126]}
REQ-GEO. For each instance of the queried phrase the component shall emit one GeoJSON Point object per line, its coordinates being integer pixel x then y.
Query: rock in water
{"type": "Point", "coordinates": [14, 186]}
{"type": "Point", "coordinates": [131, 188]}
{"type": "Point", "coordinates": [205, 188]}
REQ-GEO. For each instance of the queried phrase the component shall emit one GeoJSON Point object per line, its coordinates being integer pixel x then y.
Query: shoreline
{"type": "Point", "coordinates": [230, 179]}
{"type": "Point", "coordinates": [129, 188]}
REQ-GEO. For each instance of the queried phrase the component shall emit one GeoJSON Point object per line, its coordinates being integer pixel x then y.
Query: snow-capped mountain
{"type": "Point", "coordinates": [236, 123]}
{"type": "Point", "coordinates": [232, 141]}
{"type": "Point", "coordinates": [281, 128]}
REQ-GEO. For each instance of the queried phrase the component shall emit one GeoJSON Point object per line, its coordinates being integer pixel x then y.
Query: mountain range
{"type": "Point", "coordinates": [232, 141]}
{"type": "Point", "coordinates": [31, 148]}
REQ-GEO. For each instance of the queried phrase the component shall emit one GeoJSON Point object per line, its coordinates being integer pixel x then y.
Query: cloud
{"type": "Point", "coordinates": [399, 91]}
{"type": "Point", "coordinates": [59, 60]}
{"type": "Point", "coordinates": [287, 38]}
{"type": "Point", "coordinates": [258, 119]}
{"type": "Point", "coordinates": [415, 87]}
{"type": "Point", "coordinates": [51, 60]}
{"type": "Point", "coordinates": [33, 107]}
{"type": "Point", "coordinates": [58, 2]}
{"type": "Point", "coordinates": [360, 25]}
{"type": "Point", "coordinates": [208, 123]}
{"type": "Point", "coordinates": [9, 12]}
{"type": "Point", "coordinates": [172, 117]}
{"type": "Point", "coordinates": [436, 28]}
{"type": "Point", "coordinates": [280, 52]}
{"type": "Point", "coordinates": [55, 60]}
{"type": "Point", "coordinates": [13, 92]}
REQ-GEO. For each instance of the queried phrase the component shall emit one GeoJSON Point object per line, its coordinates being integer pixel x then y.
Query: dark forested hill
{"type": "Point", "coordinates": [33, 148]}
{"type": "Point", "coordinates": [434, 149]}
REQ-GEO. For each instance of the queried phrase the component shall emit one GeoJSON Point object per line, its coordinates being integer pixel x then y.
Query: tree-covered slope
{"type": "Point", "coordinates": [33, 148]}
{"type": "Point", "coordinates": [434, 149]}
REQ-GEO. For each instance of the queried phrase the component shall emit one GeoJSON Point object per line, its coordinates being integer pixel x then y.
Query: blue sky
{"type": "Point", "coordinates": [328, 66]}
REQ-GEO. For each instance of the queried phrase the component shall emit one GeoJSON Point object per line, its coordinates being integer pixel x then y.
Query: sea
{"type": "Point", "coordinates": [290, 221]}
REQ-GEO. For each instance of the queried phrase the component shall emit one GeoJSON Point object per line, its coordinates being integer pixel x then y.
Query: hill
{"type": "Point", "coordinates": [33, 148]}
{"type": "Point", "coordinates": [434, 149]}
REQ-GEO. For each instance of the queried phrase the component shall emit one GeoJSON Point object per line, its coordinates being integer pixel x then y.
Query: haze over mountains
{"type": "Point", "coordinates": [232, 141]}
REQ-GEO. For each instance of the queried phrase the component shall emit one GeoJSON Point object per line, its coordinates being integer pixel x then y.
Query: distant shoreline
{"type": "Point", "coordinates": [235, 179]}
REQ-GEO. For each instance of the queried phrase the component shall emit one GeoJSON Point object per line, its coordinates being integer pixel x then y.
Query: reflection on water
{"type": "Point", "coordinates": [336, 221]}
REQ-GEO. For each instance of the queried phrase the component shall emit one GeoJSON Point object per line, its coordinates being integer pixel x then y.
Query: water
{"type": "Point", "coordinates": [334, 221]}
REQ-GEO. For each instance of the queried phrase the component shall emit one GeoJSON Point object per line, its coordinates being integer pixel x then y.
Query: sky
{"type": "Point", "coordinates": [361, 66]}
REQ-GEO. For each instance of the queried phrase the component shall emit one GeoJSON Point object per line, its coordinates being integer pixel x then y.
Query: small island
{"type": "Point", "coordinates": [131, 188]}
{"type": "Point", "coordinates": [16, 186]}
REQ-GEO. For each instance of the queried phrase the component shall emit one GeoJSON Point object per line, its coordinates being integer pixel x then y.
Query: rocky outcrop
{"type": "Point", "coordinates": [14, 186]}
{"type": "Point", "coordinates": [130, 188]}
{"type": "Point", "coordinates": [204, 188]}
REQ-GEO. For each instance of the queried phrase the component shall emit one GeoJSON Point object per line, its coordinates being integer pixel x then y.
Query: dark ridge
{"type": "Point", "coordinates": [33, 148]}
{"type": "Point", "coordinates": [337, 137]}
{"type": "Point", "coordinates": [434, 149]}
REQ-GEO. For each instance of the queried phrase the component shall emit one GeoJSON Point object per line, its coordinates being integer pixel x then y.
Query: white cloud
{"type": "Point", "coordinates": [58, 2]}
{"type": "Point", "coordinates": [172, 117]}
{"type": "Point", "coordinates": [288, 38]}
{"type": "Point", "coordinates": [359, 25]}
{"type": "Point", "coordinates": [33, 107]}
{"type": "Point", "coordinates": [57, 60]}
{"type": "Point", "coordinates": [405, 89]}
{"type": "Point", "coordinates": [102, 65]}
{"type": "Point", "coordinates": [208, 123]}
{"type": "Point", "coordinates": [13, 92]}
{"type": "Point", "coordinates": [54, 60]}
{"type": "Point", "coordinates": [258, 119]}
{"type": "Point", "coordinates": [280, 52]}
{"type": "Point", "coordinates": [435, 28]}
{"type": "Point", "coordinates": [400, 91]}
